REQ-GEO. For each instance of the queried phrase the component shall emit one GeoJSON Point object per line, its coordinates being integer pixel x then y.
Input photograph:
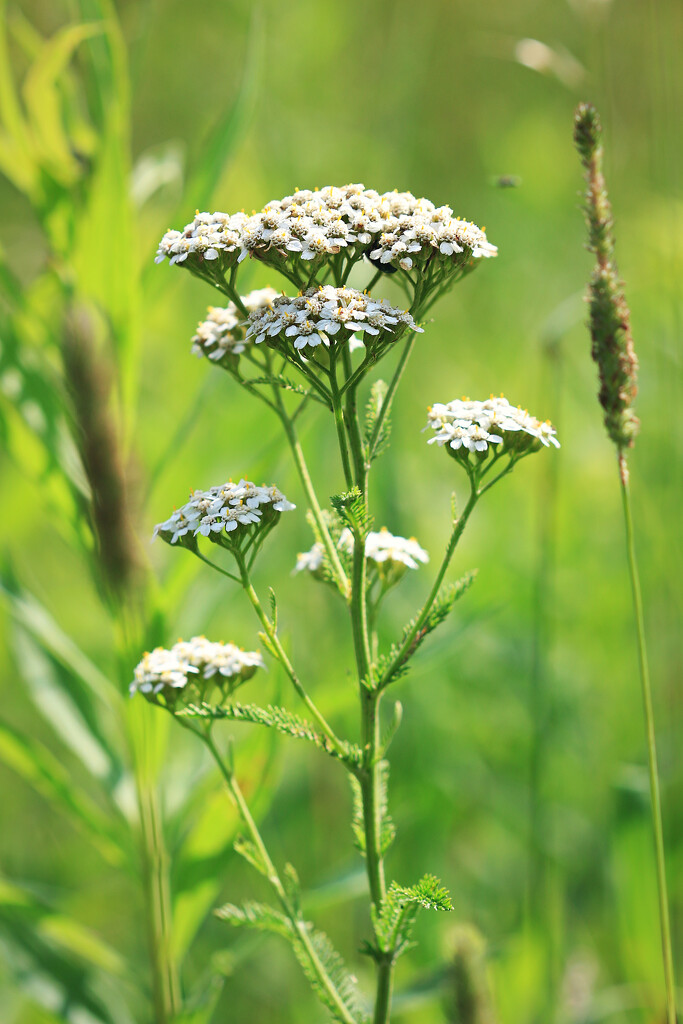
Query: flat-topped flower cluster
{"type": "Point", "coordinates": [319, 314]}
{"type": "Point", "coordinates": [474, 426]}
{"type": "Point", "coordinates": [381, 548]}
{"type": "Point", "coordinates": [165, 670]}
{"type": "Point", "coordinates": [394, 229]}
{"type": "Point", "coordinates": [222, 510]}
{"type": "Point", "coordinates": [224, 330]}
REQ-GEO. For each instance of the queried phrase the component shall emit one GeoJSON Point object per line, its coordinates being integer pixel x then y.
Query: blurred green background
{"type": "Point", "coordinates": [518, 776]}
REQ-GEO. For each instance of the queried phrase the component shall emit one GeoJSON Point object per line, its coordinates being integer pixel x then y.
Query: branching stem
{"type": "Point", "coordinates": [280, 654]}
{"type": "Point", "coordinates": [298, 924]}
{"type": "Point", "coordinates": [413, 634]}
{"type": "Point", "coordinates": [305, 477]}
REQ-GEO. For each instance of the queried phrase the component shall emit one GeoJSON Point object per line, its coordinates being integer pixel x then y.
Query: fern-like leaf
{"type": "Point", "coordinates": [257, 915]}
{"type": "Point", "coordinates": [387, 827]}
{"type": "Point", "coordinates": [251, 853]}
{"type": "Point", "coordinates": [376, 445]}
{"type": "Point", "coordinates": [394, 663]}
{"type": "Point", "coordinates": [273, 717]}
{"type": "Point", "coordinates": [337, 972]}
{"type": "Point", "coordinates": [357, 822]}
{"type": "Point", "coordinates": [280, 381]}
{"type": "Point", "coordinates": [352, 509]}
{"type": "Point", "coordinates": [394, 924]}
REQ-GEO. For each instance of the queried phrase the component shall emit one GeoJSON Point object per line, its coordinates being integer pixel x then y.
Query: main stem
{"type": "Point", "coordinates": [298, 924]}
{"type": "Point", "coordinates": [370, 775]}
{"type": "Point", "coordinates": [665, 926]}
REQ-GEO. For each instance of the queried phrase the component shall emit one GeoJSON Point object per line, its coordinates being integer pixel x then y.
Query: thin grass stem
{"type": "Point", "coordinates": [653, 770]}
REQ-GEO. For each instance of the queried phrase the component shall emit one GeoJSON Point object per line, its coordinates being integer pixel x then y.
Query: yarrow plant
{"type": "Point", "coordinates": [316, 342]}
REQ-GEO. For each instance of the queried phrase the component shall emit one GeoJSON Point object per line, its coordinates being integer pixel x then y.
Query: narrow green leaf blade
{"type": "Point", "coordinates": [34, 763]}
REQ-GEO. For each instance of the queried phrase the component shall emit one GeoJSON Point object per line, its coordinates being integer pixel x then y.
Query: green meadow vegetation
{"type": "Point", "coordinates": [519, 773]}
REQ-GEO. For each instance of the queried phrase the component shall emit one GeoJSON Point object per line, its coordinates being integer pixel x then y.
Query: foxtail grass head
{"type": "Point", "coordinates": [610, 318]}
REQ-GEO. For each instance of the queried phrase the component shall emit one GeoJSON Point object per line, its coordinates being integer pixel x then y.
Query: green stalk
{"type": "Point", "coordinates": [391, 391]}
{"type": "Point", "coordinates": [307, 483]}
{"type": "Point", "coordinates": [415, 310]}
{"type": "Point", "coordinates": [369, 784]}
{"type": "Point", "coordinates": [155, 866]}
{"type": "Point", "coordinates": [298, 924]}
{"type": "Point", "coordinates": [385, 984]}
{"type": "Point", "coordinates": [369, 776]}
{"type": "Point", "coordinates": [655, 798]}
{"type": "Point", "coordinates": [279, 652]}
{"type": "Point", "coordinates": [413, 635]}
{"type": "Point", "coordinates": [339, 422]}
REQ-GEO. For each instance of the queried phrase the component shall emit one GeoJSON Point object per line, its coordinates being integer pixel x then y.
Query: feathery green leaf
{"type": "Point", "coordinates": [257, 915]}
{"type": "Point", "coordinates": [378, 393]}
{"type": "Point", "coordinates": [275, 718]}
{"type": "Point", "coordinates": [337, 972]}
{"type": "Point", "coordinates": [352, 509]}
{"type": "Point", "coordinates": [394, 924]}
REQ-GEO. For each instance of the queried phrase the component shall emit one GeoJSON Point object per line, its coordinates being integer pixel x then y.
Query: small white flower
{"type": "Point", "coordinates": [167, 671]}
{"type": "Point", "coordinates": [223, 332]}
{"type": "Point", "coordinates": [310, 561]}
{"type": "Point", "coordinates": [400, 228]}
{"type": "Point", "coordinates": [222, 510]}
{"type": "Point", "coordinates": [324, 314]}
{"type": "Point", "coordinates": [475, 425]}
{"type": "Point", "coordinates": [382, 548]}
{"type": "Point", "coordinates": [208, 236]}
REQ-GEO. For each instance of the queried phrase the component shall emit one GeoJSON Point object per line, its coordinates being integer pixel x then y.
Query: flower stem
{"type": "Point", "coordinates": [305, 477]}
{"type": "Point", "coordinates": [339, 423]}
{"type": "Point", "coordinates": [413, 634]}
{"type": "Point", "coordinates": [655, 797]}
{"type": "Point", "coordinates": [391, 391]}
{"type": "Point", "coordinates": [280, 654]}
{"type": "Point", "coordinates": [301, 930]}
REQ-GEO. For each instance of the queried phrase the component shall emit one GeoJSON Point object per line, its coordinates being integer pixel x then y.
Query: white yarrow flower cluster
{"type": "Point", "coordinates": [208, 236]}
{"type": "Point", "coordinates": [224, 330]}
{"type": "Point", "coordinates": [394, 228]}
{"type": "Point", "coordinates": [320, 314]}
{"type": "Point", "coordinates": [221, 510]}
{"type": "Point", "coordinates": [382, 548]}
{"type": "Point", "coordinates": [474, 426]}
{"type": "Point", "coordinates": [163, 671]}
